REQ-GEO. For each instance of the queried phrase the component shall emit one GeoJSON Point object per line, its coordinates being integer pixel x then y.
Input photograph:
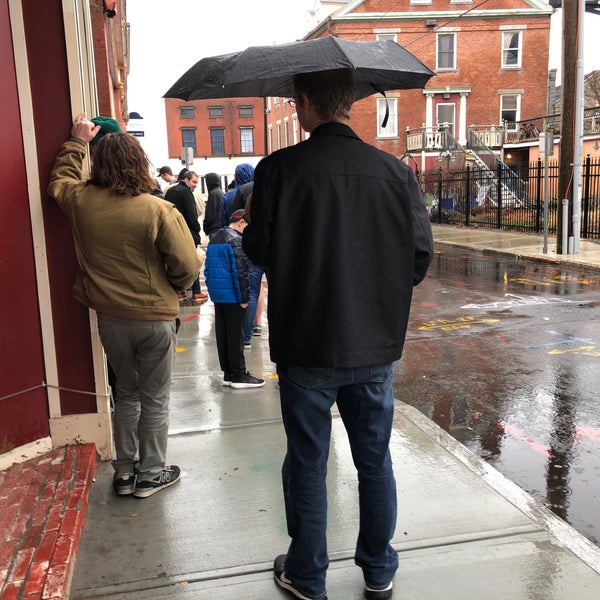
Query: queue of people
{"type": "Point", "coordinates": [341, 233]}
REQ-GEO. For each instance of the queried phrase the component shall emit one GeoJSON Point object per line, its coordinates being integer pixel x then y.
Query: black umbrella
{"type": "Point", "coordinates": [261, 71]}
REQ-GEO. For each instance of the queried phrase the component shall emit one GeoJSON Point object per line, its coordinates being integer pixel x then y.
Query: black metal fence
{"type": "Point", "coordinates": [509, 197]}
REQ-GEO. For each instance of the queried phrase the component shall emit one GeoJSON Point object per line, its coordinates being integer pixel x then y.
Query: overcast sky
{"type": "Point", "coordinates": [168, 37]}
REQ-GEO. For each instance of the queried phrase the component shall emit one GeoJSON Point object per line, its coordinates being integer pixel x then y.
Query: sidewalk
{"type": "Point", "coordinates": [464, 531]}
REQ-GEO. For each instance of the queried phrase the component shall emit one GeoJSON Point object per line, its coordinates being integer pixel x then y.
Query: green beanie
{"type": "Point", "coordinates": [107, 125]}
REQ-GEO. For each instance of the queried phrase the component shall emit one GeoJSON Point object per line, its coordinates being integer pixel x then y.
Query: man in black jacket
{"type": "Point", "coordinates": [344, 233]}
{"type": "Point", "coordinates": [182, 196]}
{"type": "Point", "coordinates": [212, 215]}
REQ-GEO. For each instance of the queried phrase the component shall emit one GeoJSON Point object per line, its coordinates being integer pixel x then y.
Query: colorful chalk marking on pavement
{"type": "Point", "coordinates": [454, 324]}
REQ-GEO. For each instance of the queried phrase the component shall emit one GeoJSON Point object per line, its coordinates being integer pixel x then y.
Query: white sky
{"type": "Point", "coordinates": [168, 37]}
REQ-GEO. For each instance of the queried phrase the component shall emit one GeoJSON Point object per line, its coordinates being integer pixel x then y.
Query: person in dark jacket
{"type": "Point", "coordinates": [182, 196]}
{"type": "Point", "coordinates": [212, 215]}
{"type": "Point", "coordinates": [343, 230]}
{"type": "Point", "coordinates": [226, 273]}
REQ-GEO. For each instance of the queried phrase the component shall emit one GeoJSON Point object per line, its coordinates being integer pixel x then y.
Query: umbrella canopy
{"type": "Point", "coordinates": [261, 71]}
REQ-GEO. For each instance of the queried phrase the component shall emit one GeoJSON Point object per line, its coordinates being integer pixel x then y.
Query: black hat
{"type": "Point", "coordinates": [236, 216]}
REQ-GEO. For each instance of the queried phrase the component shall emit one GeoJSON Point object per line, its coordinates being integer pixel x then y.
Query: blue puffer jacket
{"type": "Point", "coordinates": [226, 268]}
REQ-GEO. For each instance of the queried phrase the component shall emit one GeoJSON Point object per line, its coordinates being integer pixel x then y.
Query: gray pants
{"type": "Point", "coordinates": [141, 354]}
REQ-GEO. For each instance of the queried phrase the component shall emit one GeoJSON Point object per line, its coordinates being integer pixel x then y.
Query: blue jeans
{"type": "Point", "coordinates": [254, 279]}
{"type": "Point", "coordinates": [366, 404]}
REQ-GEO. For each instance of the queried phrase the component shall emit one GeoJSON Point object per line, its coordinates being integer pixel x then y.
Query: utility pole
{"type": "Point", "coordinates": [567, 138]}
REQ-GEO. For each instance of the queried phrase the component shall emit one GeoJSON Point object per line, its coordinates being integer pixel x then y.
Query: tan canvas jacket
{"type": "Point", "coordinates": [134, 253]}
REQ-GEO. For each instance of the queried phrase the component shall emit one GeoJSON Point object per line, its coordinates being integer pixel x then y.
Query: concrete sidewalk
{"type": "Point", "coordinates": [464, 531]}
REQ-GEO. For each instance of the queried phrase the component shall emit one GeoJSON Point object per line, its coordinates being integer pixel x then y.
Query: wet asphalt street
{"type": "Point", "coordinates": [504, 354]}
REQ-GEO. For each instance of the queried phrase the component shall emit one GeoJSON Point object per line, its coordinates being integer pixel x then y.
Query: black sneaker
{"type": "Point", "coordinates": [124, 483]}
{"type": "Point", "coordinates": [256, 330]}
{"type": "Point", "coordinates": [245, 380]}
{"type": "Point", "coordinates": [282, 581]}
{"type": "Point", "coordinates": [167, 477]}
{"type": "Point", "coordinates": [379, 593]}
{"type": "Point", "coordinates": [227, 379]}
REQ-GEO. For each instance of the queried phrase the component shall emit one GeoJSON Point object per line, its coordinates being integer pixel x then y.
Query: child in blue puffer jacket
{"type": "Point", "coordinates": [226, 274]}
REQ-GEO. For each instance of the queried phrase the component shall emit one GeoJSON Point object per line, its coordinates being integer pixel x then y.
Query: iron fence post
{"type": "Point", "coordinates": [586, 196]}
{"type": "Point", "coordinates": [538, 195]}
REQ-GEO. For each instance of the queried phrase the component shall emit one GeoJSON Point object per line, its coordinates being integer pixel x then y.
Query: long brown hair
{"type": "Point", "coordinates": [121, 165]}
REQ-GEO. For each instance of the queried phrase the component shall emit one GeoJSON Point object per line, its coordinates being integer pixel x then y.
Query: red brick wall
{"type": "Point", "coordinates": [202, 122]}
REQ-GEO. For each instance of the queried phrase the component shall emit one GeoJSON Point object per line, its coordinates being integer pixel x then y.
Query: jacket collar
{"type": "Point", "coordinates": [334, 128]}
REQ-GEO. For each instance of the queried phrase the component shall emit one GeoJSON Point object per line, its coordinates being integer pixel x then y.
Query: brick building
{"type": "Point", "coordinates": [490, 60]}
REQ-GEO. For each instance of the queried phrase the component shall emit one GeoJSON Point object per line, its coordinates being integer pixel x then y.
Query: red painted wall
{"type": "Point", "coordinates": [23, 414]}
{"type": "Point", "coordinates": [44, 32]}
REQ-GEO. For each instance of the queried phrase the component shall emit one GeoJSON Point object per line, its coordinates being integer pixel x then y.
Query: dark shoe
{"type": "Point", "coordinates": [181, 296]}
{"type": "Point", "coordinates": [379, 594]}
{"type": "Point", "coordinates": [247, 345]}
{"type": "Point", "coordinates": [124, 483]}
{"type": "Point", "coordinates": [167, 477]}
{"type": "Point", "coordinates": [245, 380]}
{"type": "Point", "coordinates": [256, 330]}
{"type": "Point", "coordinates": [227, 379]}
{"type": "Point", "coordinates": [282, 581]}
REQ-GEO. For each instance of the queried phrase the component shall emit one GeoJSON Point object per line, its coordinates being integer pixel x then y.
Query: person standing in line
{"type": "Point", "coordinates": [182, 196]}
{"type": "Point", "coordinates": [255, 273]}
{"type": "Point", "coordinates": [134, 251]}
{"type": "Point", "coordinates": [226, 274]}
{"type": "Point", "coordinates": [244, 173]}
{"type": "Point", "coordinates": [343, 230]}
{"type": "Point", "coordinates": [166, 174]}
{"type": "Point", "coordinates": [212, 215]}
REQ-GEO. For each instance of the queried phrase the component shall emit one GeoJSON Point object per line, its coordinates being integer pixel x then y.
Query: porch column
{"type": "Point", "coordinates": [462, 120]}
{"type": "Point", "coordinates": [428, 110]}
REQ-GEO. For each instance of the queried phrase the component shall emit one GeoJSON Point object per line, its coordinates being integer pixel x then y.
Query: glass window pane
{"type": "Point", "coordinates": [217, 141]}
{"type": "Point", "coordinates": [247, 140]}
{"type": "Point", "coordinates": [188, 139]}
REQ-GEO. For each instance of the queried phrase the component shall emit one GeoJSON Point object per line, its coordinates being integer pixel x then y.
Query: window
{"type": "Point", "coordinates": [187, 112]}
{"type": "Point", "coordinates": [511, 49]}
{"type": "Point", "coordinates": [271, 148]}
{"type": "Point", "coordinates": [217, 141]}
{"type": "Point", "coordinates": [286, 132]}
{"type": "Point", "coordinates": [245, 111]}
{"type": "Point", "coordinates": [278, 135]}
{"type": "Point", "coordinates": [215, 111]}
{"type": "Point", "coordinates": [387, 36]}
{"type": "Point", "coordinates": [446, 51]}
{"type": "Point", "coordinates": [188, 139]}
{"type": "Point", "coordinates": [510, 107]}
{"type": "Point", "coordinates": [295, 129]}
{"type": "Point", "coordinates": [391, 128]}
{"type": "Point", "coordinates": [247, 140]}
{"type": "Point", "coordinates": [446, 113]}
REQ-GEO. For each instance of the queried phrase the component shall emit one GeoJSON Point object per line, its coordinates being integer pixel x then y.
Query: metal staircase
{"type": "Point", "coordinates": [491, 173]}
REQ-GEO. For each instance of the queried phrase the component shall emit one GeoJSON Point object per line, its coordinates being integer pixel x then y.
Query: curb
{"type": "Point", "coordinates": [44, 503]}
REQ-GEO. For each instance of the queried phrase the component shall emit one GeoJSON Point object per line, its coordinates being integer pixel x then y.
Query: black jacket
{"type": "Point", "coordinates": [212, 216]}
{"type": "Point", "coordinates": [183, 198]}
{"type": "Point", "coordinates": [344, 232]}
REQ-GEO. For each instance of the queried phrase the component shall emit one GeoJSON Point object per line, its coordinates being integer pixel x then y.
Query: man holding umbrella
{"type": "Point", "coordinates": [344, 233]}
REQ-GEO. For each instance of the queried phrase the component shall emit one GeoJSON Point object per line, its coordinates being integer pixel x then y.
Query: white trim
{"type": "Point", "coordinates": [35, 204]}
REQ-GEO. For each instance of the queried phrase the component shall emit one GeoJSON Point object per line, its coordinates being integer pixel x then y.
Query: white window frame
{"type": "Point", "coordinates": [246, 140]}
{"type": "Point", "coordinates": [437, 50]}
{"type": "Point", "coordinates": [517, 109]}
{"type": "Point", "coordinates": [506, 50]}
{"type": "Point", "coordinates": [452, 121]}
{"type": "Point", "coordinates": [388, 36]}
{"type": "Point", "coordinates": [391, 129]}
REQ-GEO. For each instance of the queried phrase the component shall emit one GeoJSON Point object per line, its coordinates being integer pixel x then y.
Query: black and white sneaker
{"type": "Point", "coordinates": [256, 330]}
{"type": "Point", "coordinates": [379, 593]}
{"type": "Point", "coordinates": [245, 380]}
{"type": "Point", "coordinates": [167, 477]}
{"type": "Point", "coordinates": [227, 379]}
{"type": "Point", "coordinates": [282, 581]}
{"type": "Point", "coordinates": [124, 483]}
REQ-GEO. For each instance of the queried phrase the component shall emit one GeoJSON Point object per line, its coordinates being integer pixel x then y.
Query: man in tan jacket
{"type": "Point", "coordinates": [135, 252]}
